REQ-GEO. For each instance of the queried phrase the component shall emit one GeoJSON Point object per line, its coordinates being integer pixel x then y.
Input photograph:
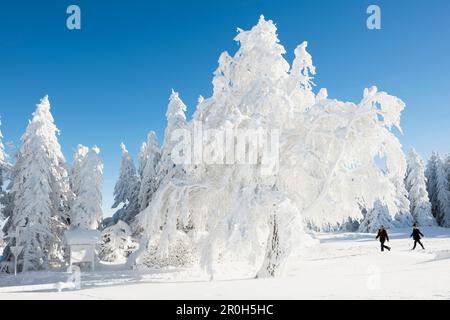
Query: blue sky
{"type": "Point", "coordinates": [109, 82]}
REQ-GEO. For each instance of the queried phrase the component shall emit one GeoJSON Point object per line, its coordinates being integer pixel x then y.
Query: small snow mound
{"type": "Point", "coordinates": [441, 255]}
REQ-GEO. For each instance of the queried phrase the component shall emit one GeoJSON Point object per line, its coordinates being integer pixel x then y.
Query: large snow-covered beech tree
{"type": "Point", "coordinates": [292, 156]}
{"type": "Point", "coordinates": [41, 193]}
{"type": "Point", "coordinates": [149, 157]}
{"type": "Point", "coordinates": [86, 211]}
{"type": "Point", "coordinates": [420, 205]}
{"type": "Point", "coordinates": [126, 189]}
{"type": "Point", "coordinates": [442, 194]}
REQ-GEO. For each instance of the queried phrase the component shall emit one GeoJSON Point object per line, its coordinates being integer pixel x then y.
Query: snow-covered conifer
{"type": "Point", "coordinates": [86, 211]}
{"type": "Point", "coordinates": [142, 158]}
{"type": "Point", "coordinates": [41, 192]}
{"type": "Point", "coordinates": [126, 189]}
{"type": "Point", "coordinates": [77, 165]}
{"type": "Point", "coordinates": [149, 160]}
{"type": "Point", "coordinates": [4, 174]}
{"type": "Point", "coordinates": [375, 217]}
{"type": "Point", "coordinates": [3, 163]}
{"type": "Point", "coordinates": [176, 120]}
{"type": "Point", "coordinates": [442, 194]}
{"type": "Point", "coordinates": [5, 168]}
{"type": "Point", "coordinates": [417, 191]}
{"type": "Point", "coordinates": [402, 217]}
{"type": "Point", "coordinates": [430, 173]}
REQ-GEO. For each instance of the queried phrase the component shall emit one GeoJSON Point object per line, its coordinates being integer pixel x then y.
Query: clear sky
{"type": "Point", "coordinates": [109, 82]}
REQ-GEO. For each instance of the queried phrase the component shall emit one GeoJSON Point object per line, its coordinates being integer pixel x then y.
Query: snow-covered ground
{"type": "Point", "coordinates": [342, 266]}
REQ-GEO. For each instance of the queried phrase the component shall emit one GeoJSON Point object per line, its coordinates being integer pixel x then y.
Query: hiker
{"type": "Point", "coordinates": [382, 234]}
{"type": "Point", "coordinates": [416, 235]}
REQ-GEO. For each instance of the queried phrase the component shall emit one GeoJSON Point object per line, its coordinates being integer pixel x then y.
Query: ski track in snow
{"type": "Point", "coordinates": [342, 266]}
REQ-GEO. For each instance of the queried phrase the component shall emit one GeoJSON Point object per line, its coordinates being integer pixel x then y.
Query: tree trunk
{"type": "Point", "coordinates": [275, 256]}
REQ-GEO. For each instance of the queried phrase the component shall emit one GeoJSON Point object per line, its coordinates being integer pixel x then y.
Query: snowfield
{"type": "Point", "coordinates": [341, 266]}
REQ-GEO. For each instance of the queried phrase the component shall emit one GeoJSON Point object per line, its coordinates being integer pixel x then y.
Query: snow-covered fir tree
{"type": "Point", "coordinates": [4, 167]}
{"type": "Point", "coordinates": [86, 211]}
{"type": "Point", "coordinates": [430, 174]}
{"type": "Point", "coordinates": [126, 189]}
{"type": "Point", "coordinates": [77, 166]}
{"type": "Point", "coordinates": [148, 163]}
{"type": "Point", "coordinates": [442, 194]}
{"type": "Point", "coordinates": [446, 161]}
{"type": "Point", "coordinates": [142, 158]}
{"type": "Point", "coordinates": [117, 242]}
{"type": "Point", "coordinates": [169, 175]}
{"type": "Point", "coordinates": [3, 161]}
{"type": "Point", "coordinates": [416, 185]}
{"type": "Point", "coordinates": [176, 120]}
{"type": "Point", "coordinates": [402, 216]}
{"type": "Point", "coordinates": [323, 169]}
{"type": "Point", "coordinates": [375, 217]}
{"type": "Point", "coordinates": [4, 174]}
{"type": "Point", "coordinates": [41, 193]}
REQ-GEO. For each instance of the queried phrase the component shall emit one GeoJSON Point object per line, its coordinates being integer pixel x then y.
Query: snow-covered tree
{"type": "Point", "coordinates": [322, 168]}
{"type": "Point", "coordinates": [402, 217]}
{"type": "Point", "coordinates": [86, 211]}
{"type": "Point", "coordinates": [376, 217]}
{"type": "Point", "coordinates": [176, 120]}
{"type": "Point", "coordinates": [158, 169]}
{"type": "Point", "coordinates": [126, 189]}
{"type": "Point", "coordinates": [442, 194]}
{"type": "Point", "coordinates": [430, 173]}
{"type": "Point", "coordinates": [4, 173]}
{"type": "Point", "coordinates": [416, 185]}
{"type": "Point", "coordinates": [41, 193]}
{"type": "Point", "coordinates": [149, 160]}
{"type": "Point", "coordinates": [446, 161]}
{"type": "Point", "coordinates": [4, 168]}
{"type": "Point", "coordinates": [77, 166]}
{"type": "Point", "coordinates": [3, 162]}
{"type": "Point", "coordinates": [117, 243]}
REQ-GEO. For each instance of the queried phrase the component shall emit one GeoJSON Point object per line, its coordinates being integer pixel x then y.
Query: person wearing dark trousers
{"type": "Point", "coordinates": [382, 234]}
{"type": "Point", "coordinates": [416, 235]}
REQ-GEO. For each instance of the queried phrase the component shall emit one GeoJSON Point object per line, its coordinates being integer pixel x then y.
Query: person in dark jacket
{"type": "Point", "coordinates": [382, 234]}
{"type": "Point", "coordinates": [416, 235]}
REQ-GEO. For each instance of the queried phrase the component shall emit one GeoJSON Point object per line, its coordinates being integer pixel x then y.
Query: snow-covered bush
{"type": "Point", "coordinates": [179, 254]}
{"type": "Point", "coordinates": [316, 161]}
{"type": "Point", "coordinates": [117, 243]}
